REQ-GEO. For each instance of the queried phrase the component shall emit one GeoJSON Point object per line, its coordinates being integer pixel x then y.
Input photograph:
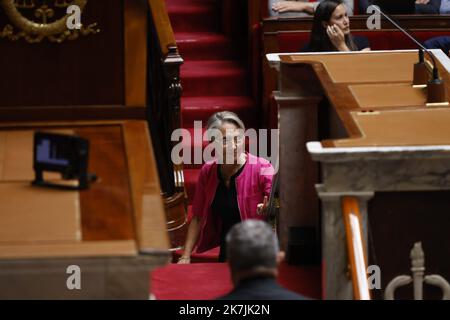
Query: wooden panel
{"type": "Point", "coordinates": [122, 157]}
{"type": "Point", "coordinates": [106, 208]}
{"type": "Point", "coordinates": [16, 155]}
{"type": "Point", "coordinates": [2, 153]}
{"type": "Point", "coordinates": [136, 52]}
{"type": "Point", "coordinates": [121, 248]}
{"type": "Point", "coordinates": [147, 199]}
{"type": "Point", "coordinates": [365, 67]}
{"type": "Point", "coordinates": [72, 113]}
{"type": "Point", "coordinates": [400, 128]}
{"type": "Point", "coordinates": [387, 95]}
{"type": "Point", "coordinates": [18, 158]}
{"type": "Point", "coordinates": [87, 71]}
{"type": "Point", "coordinates": [30, 214]}
{"type": "Point", "coordinates": [337, 85]}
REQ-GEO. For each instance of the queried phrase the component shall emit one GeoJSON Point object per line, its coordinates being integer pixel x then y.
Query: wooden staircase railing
{"type": "Point", "coordinates": [164, 115]}
{"type": "Point", "coordinates": [356, 248]}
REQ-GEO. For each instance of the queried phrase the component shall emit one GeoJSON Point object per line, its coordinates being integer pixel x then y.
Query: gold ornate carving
{"type": "Point", "coordinates": [35, 32]}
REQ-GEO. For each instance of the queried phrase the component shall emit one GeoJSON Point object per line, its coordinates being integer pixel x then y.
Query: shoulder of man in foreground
{"type": "Point", "coordinates": [266, 290]}
{"type": "Point", "coordinates": [285, 296]}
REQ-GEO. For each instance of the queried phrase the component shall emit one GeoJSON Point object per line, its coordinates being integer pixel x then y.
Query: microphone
{"type": "Point", "coordinates": [437, 92]}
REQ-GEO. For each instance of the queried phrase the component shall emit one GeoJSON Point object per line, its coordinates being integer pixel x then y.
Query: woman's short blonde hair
{"type": "Point", "coordinates": [219, 118]}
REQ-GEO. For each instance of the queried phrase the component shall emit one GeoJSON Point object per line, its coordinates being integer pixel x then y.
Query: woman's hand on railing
{"type": "Point", "coordinates": [184, 260]}
{"type": "Point", "coordinates": [292, 6]}
{"type": "Point", "coordinates": [262, 207]}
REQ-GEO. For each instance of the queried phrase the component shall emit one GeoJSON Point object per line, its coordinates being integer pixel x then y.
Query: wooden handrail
{"type": "Point", "coordinates": [164, 116]}
{"type": "Point", "coordinates": [162, 25]}
{"type": "Point", "coordinates": [164, 111]}
{"type": "Point", "coordinates": [356, 248]}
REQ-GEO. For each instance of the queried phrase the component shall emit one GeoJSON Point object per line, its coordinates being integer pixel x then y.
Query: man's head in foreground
{"type": "Point", "coordinates": [252, 250]}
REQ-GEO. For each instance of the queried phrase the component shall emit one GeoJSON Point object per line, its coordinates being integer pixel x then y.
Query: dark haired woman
{"type": "Point", "coordinates": [331, 30]}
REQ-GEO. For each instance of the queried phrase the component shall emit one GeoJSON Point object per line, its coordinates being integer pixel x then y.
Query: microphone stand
{"type": "Point", "coordinates": [436, 90]}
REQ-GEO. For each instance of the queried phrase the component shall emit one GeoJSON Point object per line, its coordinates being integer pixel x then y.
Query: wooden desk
{"type": "Point", "coordinates": [82, 80]}
{"type": "Point", "coordinates": [274, 29]}
{"type": "Point", "coordinates": [115, 231]}
{"type": "Point", "coordinates": [379, 143]}
{"type": "Point", "coordinates": [366, 87]}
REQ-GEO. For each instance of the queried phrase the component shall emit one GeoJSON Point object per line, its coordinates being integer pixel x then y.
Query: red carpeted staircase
{"type": "Point", "coordinates": [213, 76]}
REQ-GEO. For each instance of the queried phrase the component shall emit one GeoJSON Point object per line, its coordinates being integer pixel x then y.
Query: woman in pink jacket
{"type": "Point", "coordinates": [227, 192]}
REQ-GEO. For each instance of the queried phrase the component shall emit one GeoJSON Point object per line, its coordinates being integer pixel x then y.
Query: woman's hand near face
{"type": "Point", "coordinates": [293, 6]}
{"type": "Point", "coordinates": [337, 37]}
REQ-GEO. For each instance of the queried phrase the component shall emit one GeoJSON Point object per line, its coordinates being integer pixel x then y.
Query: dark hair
{"type": "Point", "coordinates": [319, 38]}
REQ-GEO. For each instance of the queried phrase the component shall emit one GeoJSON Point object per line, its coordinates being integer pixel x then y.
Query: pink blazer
{"type": "Point", "coordinates": [252, 184]}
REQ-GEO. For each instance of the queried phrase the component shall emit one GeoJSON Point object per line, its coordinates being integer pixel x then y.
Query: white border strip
{"type": "Point", "coordinates": [442, 57]}
{"type": "Point", "coordinates": [315, 147]}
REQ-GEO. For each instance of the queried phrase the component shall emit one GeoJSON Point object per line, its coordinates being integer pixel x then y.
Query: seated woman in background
{"type": "Point", "coordinates": [442, 43]}
{"type": "Point", "coordinates": [331, 30]}
{"type": "Point", "coordinates": [422, 6]}
{"type": "Point", "coordinates": [227, 193]}
{"type": "Point", "coordinates": [299, 7]}
{"type": "Point", "coordinates": [433, 6]}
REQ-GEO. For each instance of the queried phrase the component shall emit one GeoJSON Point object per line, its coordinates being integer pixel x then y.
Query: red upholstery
{"type": "Point", "coordinates": [379, 40]}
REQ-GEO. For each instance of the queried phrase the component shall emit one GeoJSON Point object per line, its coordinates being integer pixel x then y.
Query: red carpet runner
{"type": "Point", "coordinates": [205, 281]}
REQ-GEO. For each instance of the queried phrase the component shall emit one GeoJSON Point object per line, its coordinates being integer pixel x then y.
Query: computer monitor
{"type": "Point", "coordinates": [396, 6]}
{"type": "Point", "coordinates": [66, 154]}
